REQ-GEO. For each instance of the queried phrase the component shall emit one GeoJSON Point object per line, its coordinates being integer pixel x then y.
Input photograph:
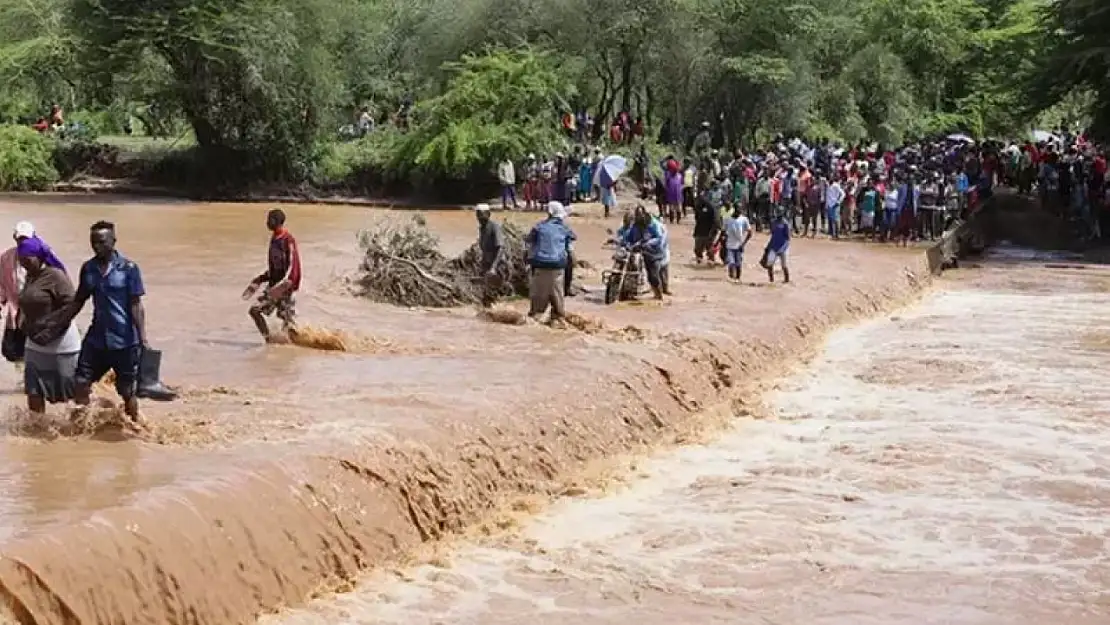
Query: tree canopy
{"type": "Point", "coordinates": [263, 83]}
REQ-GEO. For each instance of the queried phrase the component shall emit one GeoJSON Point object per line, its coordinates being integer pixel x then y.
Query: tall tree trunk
{"type": "Point", "coordinates": [627, 65]}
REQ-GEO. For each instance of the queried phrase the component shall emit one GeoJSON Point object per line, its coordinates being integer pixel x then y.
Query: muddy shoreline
{"type": "Point", "coordinates": [109, 187]}
{"type": "Point", "coordinates": [272, 531]}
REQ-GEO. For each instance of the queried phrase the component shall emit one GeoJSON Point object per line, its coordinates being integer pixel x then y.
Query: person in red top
{"type": "Point", "coordinates": [1100, 167]}
{"type": "Point", "coordinates": [282, 279]}
{"type": "Point", "coordinates": [616, 135]}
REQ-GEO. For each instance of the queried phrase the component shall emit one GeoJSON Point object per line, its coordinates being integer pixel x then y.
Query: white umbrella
{"type": "Point", "coordinates": [1045, 136]}
{"type": "Point", "coordinates": [609, 170]}
{"type": "Point", "coordinates": [960, 138]}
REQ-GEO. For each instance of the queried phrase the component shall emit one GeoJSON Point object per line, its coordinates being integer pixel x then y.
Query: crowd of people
{"type": "Point", "coordinates": [904, 194]}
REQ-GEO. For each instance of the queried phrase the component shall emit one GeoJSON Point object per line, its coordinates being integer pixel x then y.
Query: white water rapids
{"type": "Point", "coordinates": [949, 464]}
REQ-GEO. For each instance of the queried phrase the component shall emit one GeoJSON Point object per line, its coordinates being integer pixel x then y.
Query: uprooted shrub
{"type": "Point", "coordinates": [402, 265]}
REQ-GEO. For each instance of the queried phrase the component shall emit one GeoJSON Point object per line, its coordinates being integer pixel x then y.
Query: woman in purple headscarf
{"type": "Point", "coordinates": [49, 365]}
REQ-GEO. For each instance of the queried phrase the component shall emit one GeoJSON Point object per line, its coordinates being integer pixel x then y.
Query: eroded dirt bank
{"type": "Point", "coordinates": [308, 467]}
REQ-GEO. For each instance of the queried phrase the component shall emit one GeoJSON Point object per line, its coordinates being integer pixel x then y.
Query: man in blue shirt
{"type": "Point", "coordinates": [117, 336]}
{"type": "Point", "coordinates": [548, 247]}
{"type": "Point", "coordinates": [777, 248]}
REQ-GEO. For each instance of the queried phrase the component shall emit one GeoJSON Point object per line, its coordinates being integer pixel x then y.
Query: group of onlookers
{"type": "Point", "coordinates": [563, 178]}
{"type": "Point", "coordinates": [1069, 174]}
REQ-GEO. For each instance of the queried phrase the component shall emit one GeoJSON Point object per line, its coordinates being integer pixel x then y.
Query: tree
{"type": "Point", "coordinates": [496, 105]}
{"type": "Point", "coordinates": [250, 76]}
{"type": "Point", "coordinates": [1077, 57]}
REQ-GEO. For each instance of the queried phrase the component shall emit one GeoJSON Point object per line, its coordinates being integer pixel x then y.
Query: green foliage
{"type": "Point", "coordinates": [495, 105]}
{"type": "Point", "coordinates": [37, 52]}
{"type": "Point", "coordinates": [26, 160]}
{"type": "Point", "coordinates": [338, 162]}
{"type": "Point", "coordinates": [1077, 58]}
{"type": "Point", "coordinates": [250, 75]}
{"type": "Point", "coordinates": [265, 85]}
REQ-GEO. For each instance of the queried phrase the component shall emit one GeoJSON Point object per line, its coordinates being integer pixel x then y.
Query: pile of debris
{"type": "Point", "coordinates": [402, 265]}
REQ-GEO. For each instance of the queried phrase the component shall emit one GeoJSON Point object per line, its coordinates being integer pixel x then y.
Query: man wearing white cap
{"type": "Point", "coordinates": [548, 246]}
{"type": "Point", "coordinates": [491, 244]}
{"type": "Point", "coordinates": [12, 278]}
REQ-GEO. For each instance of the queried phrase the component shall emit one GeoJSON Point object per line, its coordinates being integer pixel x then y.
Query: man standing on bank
{"type": "Point", "coordinates": [282, 278]}
{"type": "Point", "coordinates": [117, 336]}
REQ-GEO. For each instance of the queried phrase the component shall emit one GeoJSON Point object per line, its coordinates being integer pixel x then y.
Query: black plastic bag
{"type": "Point", "coordinates": [13, 344]}
{"type": "Point", "coordinates": [763, 259]}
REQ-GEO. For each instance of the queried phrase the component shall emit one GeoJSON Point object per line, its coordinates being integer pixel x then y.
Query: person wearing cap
{"type": "Point", "coordinates": [491, 244]}
{"type": "Point", "coordinates": [548, 248]}
{"type": "Point", "coordinates": [12, 278]}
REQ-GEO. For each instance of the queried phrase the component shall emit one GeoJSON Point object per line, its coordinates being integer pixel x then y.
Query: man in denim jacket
{"type": "Point", "coordinates": [548, 246]}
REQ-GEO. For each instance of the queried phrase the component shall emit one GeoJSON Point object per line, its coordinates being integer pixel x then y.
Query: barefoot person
{"type": "Point", "coordinates": [51, 349]}
{"type": "Point", "coordinates": [282, 278]}
{"type": "Point", "coordinates": [117, 336]}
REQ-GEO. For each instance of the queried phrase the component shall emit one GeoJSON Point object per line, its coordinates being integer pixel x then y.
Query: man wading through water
{"type": "Point", "coordinates": [548, 249]}
{"type": "Point", "coordinates": [282, 279]}
{"type": "Point", "coordinates": [117, 336]}
{"type": "Point", "coordinates": [491, 243]}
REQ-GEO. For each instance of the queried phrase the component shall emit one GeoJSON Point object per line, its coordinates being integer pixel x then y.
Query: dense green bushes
{"type": "Point", "coordinates": [26, 160]}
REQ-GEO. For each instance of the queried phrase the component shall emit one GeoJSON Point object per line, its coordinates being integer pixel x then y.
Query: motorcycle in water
{"type": "Point", "coordinates": [626, 279]}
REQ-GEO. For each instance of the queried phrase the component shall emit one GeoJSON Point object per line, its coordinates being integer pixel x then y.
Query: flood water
{"type": "Point", "coordinates": [948, 464]}
{"type": "Point", "coordinates": [196, 259]}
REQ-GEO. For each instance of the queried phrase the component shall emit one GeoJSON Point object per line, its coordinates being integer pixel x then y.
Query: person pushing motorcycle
{"type": "Point", "coordinates": [646, 235]}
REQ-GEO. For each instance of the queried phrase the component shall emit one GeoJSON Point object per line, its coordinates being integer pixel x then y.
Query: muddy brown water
{"type": "Point", "coordinates": [947, 464]}
{"type": "Point", "coordinates": [281, 465]}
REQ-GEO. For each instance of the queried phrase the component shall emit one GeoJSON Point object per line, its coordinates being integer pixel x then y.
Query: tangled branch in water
{"type": "Point", "coordinates": [402, 265]}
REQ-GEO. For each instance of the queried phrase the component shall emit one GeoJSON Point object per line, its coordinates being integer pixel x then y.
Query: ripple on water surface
{"type": "Point", "coordinates": [946, 465]}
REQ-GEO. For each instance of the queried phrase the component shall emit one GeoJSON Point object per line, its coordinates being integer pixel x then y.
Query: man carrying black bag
{"type": "Point", "coordinates": [116, 340]}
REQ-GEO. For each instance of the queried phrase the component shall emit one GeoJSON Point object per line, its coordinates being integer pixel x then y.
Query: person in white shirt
{"type": "Point", "coordinates": [506, 175]}
{"type": "Point", "coordinates": [834, 196]}
{"type": "Point", "coordinates": [738, 231]}
{"type": "Point", "coordinates": [890, 208]}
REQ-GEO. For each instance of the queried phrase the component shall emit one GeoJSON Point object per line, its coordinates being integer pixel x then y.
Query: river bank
{"type": "Point", "coordinates": [305, 195]}
{"type": "Point", "coordinates": [284, 472]}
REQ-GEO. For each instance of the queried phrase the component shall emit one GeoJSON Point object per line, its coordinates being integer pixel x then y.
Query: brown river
{"type": "Point", "coordinates": [945, 464]}
{"type": "Point", "coordinates": [948, 464]}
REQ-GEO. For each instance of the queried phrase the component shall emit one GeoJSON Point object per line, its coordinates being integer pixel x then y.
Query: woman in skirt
{"type": "Point", "coordinates": [50, 359]}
